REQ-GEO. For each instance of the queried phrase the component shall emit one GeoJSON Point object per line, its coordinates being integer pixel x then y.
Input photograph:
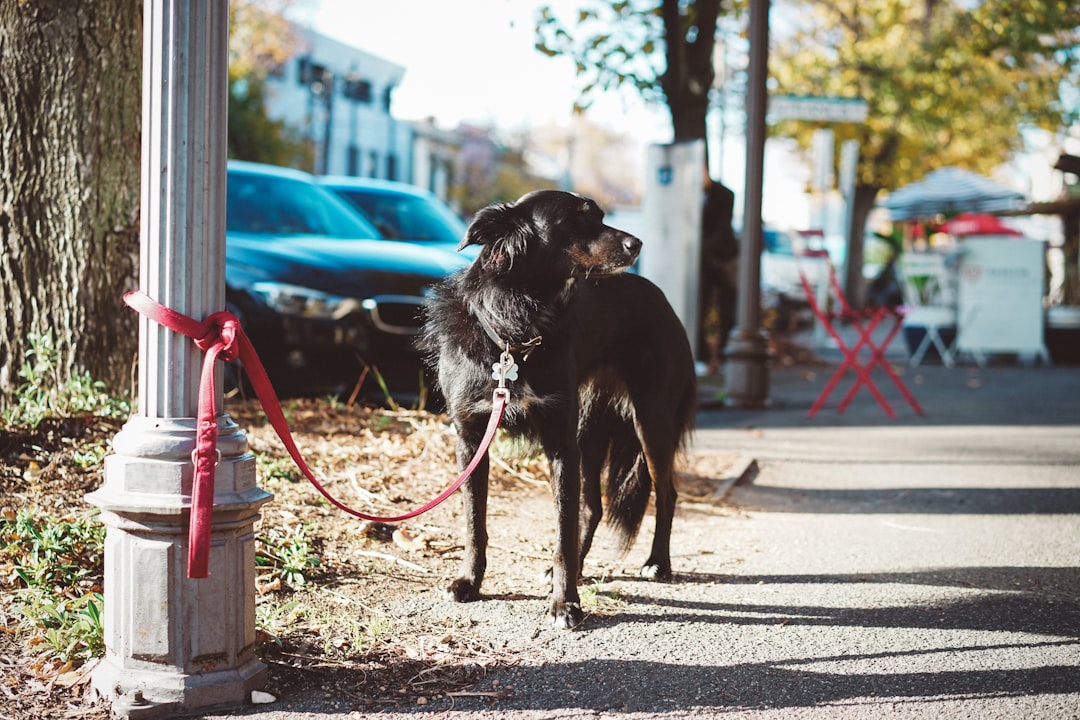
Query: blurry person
{"type": "Point", "coordinates": [718, 273]}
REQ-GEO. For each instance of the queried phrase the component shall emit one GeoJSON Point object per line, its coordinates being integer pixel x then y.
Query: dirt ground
{"type": "Point", "coordinates": [353, 626]}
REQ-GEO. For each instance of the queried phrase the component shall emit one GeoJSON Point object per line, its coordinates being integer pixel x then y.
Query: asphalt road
{"type": "Point", "coordinates": [920, 567]}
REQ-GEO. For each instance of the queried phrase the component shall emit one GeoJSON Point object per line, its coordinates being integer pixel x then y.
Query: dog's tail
{"type": "Point", "coordinates": [629, 484]}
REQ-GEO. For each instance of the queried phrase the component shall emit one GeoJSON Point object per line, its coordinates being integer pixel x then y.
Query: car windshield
{"type": "Point", "coordinates": [271, 205]}
{"type": "Point", "coordinates": [408, 217]}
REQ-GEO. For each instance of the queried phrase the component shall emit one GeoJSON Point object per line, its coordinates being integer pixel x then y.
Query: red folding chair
{"type": "Point", "coordinates": [865, 322]}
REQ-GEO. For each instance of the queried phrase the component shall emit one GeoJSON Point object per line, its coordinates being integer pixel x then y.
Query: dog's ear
{"type": "Point", "coordinates": [504, 234]}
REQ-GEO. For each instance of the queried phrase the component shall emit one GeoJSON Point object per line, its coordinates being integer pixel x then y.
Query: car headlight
{"type": "Point", "coordinates": [304, 302]}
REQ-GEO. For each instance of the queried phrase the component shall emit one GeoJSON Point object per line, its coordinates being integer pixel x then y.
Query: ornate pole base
{"type": "Point", "coordinates": [173, 644]}
{"type": "Point", "coordinates": [747, 370]}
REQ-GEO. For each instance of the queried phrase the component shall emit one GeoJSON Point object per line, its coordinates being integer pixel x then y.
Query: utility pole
{"type": "Point", "coordinates": [175, 644]}
{"type": "Point", "coordinates": [747, 372]}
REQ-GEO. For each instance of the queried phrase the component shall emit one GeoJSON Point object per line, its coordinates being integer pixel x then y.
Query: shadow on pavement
{"type": "Point", "coordinates": [1007, 601]}
{"type": "Point", "coordinates": [933, 501]}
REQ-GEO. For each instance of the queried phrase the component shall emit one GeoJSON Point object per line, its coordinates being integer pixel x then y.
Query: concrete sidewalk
{"type": "Point", "coordinates": [922, 567]}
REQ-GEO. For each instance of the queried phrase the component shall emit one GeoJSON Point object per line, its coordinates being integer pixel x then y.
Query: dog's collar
{"type": "Point", "coordinates": [524, 348]}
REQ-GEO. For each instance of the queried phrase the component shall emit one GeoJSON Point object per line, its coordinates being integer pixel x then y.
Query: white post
{"type": "Point", "coordinates": [174, 644]}
{"type": "Point", "coordinates": [670, 256]}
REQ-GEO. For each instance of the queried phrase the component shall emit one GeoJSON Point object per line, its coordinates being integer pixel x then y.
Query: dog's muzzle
{"type": "Point", "coordinates": [632, 246]}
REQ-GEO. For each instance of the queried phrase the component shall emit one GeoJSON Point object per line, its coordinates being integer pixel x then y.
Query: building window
{"type": "Point", "coordinates": [352, 161]}
{"type": "Point", "coordinates": [373, 164]}
{"type": "Point", "coordinates": [358, 90]}
{"type": "Point", "coordinates": [391, 166]}
{"type": "Point", "coordinates": [311, 72]}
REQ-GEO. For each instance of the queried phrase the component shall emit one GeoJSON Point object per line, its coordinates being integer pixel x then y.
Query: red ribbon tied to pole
{"type": "Point", "coordinates": [220, 336]}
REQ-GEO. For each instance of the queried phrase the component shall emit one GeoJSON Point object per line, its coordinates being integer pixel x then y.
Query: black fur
{"type": "Point", "coordinates": [610, 391]}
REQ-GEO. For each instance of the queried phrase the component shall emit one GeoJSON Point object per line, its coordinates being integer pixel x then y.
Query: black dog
{"type": "Point", "coordinates": [605, 380]}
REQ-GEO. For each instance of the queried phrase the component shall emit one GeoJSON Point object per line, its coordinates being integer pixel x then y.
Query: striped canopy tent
{"type": "Point", "coordinates": [951, 190]}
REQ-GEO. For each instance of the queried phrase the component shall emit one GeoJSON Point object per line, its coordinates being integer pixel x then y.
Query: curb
{"type": "Point", "coordinates": [742, 471]}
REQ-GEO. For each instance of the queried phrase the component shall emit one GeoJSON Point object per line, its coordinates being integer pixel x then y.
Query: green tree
{"type": "Point", "coordinates": [254, 136]}
{"type": "Point", "coordinates": [260, 41]}
{"type": "Point", "coordinates": [945, 85]}
{"type": "Point", "coordinates": [615, 45]}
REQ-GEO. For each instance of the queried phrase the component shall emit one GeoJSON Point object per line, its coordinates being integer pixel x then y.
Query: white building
{"type": "Point", "coordinates": [340, 97]}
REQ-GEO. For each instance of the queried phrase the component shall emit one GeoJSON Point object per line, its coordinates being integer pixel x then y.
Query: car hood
{"type": "Point", "coordinates": [348, 268]}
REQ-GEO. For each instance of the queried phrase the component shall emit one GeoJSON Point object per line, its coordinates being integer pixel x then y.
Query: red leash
{"type": "Point", "coordinates": [220, 335]}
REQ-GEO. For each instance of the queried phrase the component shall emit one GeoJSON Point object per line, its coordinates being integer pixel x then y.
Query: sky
{"type": "Point", "coordinates": [474, 60]}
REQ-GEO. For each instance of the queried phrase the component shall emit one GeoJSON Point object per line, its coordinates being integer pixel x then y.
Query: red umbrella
{"type": "Point", "coordinates": [977, 224]}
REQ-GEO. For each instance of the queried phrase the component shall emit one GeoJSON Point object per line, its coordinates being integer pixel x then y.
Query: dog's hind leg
{"type": "Point", "coordinates": [658, 564]}
{"type": "Point", "coordinates": [660, 464]}
{"type": "Point", "coordinates": [474, 494]}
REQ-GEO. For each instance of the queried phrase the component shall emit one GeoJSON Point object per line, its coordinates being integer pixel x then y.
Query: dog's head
{"type": "Point", "coordinates": [550, 233]}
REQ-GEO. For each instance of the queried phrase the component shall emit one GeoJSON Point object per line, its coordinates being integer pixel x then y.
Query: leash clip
{"type": "Point", "coordinates": [504, 370]}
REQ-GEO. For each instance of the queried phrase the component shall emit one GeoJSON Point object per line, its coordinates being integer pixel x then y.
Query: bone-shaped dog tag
{"type": "Point", "coordinates": [505, 369]}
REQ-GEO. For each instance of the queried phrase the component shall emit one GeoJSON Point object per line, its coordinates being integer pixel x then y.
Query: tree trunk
{"type": "Point", "coordinates": [854, 283]}
{"type": "Point", "coordinates": [70, 113]}
{"type": "Point", "coordinates": [690, 74]}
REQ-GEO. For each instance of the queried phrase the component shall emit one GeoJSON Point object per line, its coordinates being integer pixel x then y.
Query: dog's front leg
{"type": "Point", "coordinates": [565, 610]}
{"type": "Point", "coordinates": [474, 495]}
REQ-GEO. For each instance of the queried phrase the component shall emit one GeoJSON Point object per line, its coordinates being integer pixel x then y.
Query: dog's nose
{"type": "Point", "coordinates": [632, 244]}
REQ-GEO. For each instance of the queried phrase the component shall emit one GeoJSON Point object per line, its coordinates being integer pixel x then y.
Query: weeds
{"type": "Point", "coordinates": [90, 457]}
{"type": "Point", "coordinates": [276, 469]}
{"type": "Point", "coordinates": [381, 382]}
{"type": "Point", "coordinates": [288, 553]}
{"type": "Point", "coordinates": [55, 564]}
{"type": "Point", "coordinates": [44, 393]}
{"type": "Point", "coordinates": [272, 618]}
{"type": "Point", "coordinates": [344, 635]}
{"type": "Point", "coordinates": [594, 598]}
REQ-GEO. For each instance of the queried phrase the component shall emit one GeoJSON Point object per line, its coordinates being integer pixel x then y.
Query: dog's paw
{"type": "Point", "coordinates": [565, 614]}
{"type": "Point", "coordinates": [656, 571]}
{"type": "Point", "coordinates": [462, 590]}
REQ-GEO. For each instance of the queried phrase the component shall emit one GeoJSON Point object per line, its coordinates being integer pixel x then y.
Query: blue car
{"type": "Point", "coordinates": [402, 212]}
{"type": "Point", "coordinates": [324, 297]}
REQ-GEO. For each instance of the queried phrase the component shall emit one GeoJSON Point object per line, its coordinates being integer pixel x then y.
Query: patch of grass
{"type": "Point", "coordinates": [594, 598]}
{"type": "Point", "coordinates": [43, 393]}
{"type": "Point", "coordinates": [344, 636]}
{"type": "Point", "coordinates": [55, 566]}
{"type": "Point", "coordinates": [288, 552]}
{"type": "Point", "coordinates": [90, 456]}
{"type": "Point", "coordinates": [276, 469]}
{"type": "Point", "coordinates": [273, 618]}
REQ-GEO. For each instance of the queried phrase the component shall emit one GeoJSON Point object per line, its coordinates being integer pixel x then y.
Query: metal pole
{"type": "Point", "coordinates": [175, 644]}
{"type": "Point", "coordinates": [747, 371]}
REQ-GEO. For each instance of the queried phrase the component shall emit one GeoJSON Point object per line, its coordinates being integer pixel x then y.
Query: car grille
{"type": "Point", "coordinates": [396, 314]}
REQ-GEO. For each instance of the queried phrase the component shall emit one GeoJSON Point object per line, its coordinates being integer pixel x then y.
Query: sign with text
{"type": "Point", "coordinates": [1000, 296]}
{"type": "Point", "coordinates": [816, 108]}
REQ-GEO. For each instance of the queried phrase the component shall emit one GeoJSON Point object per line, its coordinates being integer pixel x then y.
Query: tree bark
{"type": "Point", "coordinates": [70, 114]}
{"type": "Point", "coordinates": [854, 282]}
{"type": "Point", "coordinates": [690, 74]}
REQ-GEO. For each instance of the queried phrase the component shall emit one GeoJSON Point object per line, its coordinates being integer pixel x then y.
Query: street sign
{"type": "Point", "coordinates": [815, 108]}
